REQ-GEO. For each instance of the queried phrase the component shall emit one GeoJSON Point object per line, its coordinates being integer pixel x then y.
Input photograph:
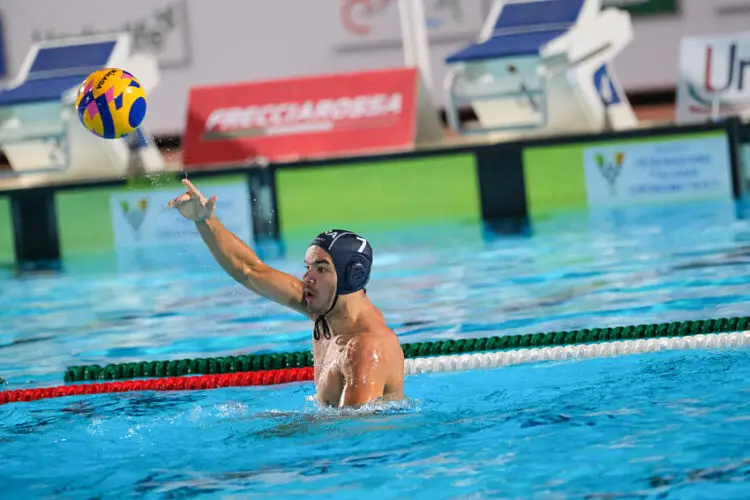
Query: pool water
{"type": "Point", "coordinates": [670, 424]}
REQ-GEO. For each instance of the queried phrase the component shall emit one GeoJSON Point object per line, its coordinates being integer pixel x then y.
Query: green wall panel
{"type": "Point", "coordinates": [400, 192]}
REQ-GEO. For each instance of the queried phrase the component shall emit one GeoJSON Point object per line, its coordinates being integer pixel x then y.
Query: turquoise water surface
{"type": "Point", "coordinates": [672, 425]}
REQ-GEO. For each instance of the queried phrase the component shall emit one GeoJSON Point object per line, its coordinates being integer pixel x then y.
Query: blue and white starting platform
{"type": "Point", "coordinates": [542, 66]}
{"type": "Point", "coordinates": [40, 133]}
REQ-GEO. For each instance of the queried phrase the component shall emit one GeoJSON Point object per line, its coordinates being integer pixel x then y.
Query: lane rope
{"type": "Point", "coordinates": [414, 366]}
{"type": "Point", "coordinates": [301, 359]}
{"type": "Point", "coordinates": [193, 383]}
{"type": "Point", "coordinates": [462, 362]}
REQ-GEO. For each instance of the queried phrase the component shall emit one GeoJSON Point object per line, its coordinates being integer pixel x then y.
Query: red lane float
{"type": "Point", "coordinates": [185, 383]}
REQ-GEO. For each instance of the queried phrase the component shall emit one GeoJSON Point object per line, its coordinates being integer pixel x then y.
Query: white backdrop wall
{"type": "Point", "coordinates": [203, 42]}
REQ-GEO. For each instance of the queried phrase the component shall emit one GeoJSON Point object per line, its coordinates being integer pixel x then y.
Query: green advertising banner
{"type": "Point", "coordinates": [623, 172]}
{"type": "Point", "coordinates": [644, 7]}
{"type": "Point", "coordinates": [406, 191]}
{"type": "Point", "coordinates": [113, 219]}
{"type": "Point", "coordinates": [7, 251]}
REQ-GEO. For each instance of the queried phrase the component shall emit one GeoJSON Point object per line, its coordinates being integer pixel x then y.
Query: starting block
{"type": "Point", "coordinates": [542, 66]}
{"type": "Point", "coordinates": [40, 132]}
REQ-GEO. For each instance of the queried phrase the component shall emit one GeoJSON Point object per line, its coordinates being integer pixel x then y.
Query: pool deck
{"type": "Point", "coordinates": [649, 117]}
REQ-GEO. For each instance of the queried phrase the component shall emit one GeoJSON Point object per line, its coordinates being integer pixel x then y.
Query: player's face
{"type": "Point", "coordinates": [319, 280]}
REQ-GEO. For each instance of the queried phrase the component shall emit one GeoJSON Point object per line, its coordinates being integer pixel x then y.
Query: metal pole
{"type": "Point", "coordinates": [421, 40]}
{"type": "Point", "coordinates": [415, 39]}
{"type": "Point", "coordinates": [407, 38]}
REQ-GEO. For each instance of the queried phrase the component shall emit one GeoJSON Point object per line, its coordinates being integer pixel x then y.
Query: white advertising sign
{"type": "Point", "coordinates": [714, 78]}
{"type": "Point", "coordinates": [658, 170]}
{"type": "Point", "coordinates": [160, 27]}
{"type": "Point", "coordinates": [374, 25]}
{"type": "Point", "coordinates": [140, 218]}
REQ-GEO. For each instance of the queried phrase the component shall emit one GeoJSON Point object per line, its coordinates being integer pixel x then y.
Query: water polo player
{"type": "Point", "coordinates": [357, 358]}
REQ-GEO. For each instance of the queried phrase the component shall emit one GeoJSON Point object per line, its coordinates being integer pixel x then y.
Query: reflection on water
{"type": "Point", "coordinates": [654, 425]}
{"type": "Point", "coordinates": [659, 424]}
{"type": "Point", "coordinates": [568, 272]}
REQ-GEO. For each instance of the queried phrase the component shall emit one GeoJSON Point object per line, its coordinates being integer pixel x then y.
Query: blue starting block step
{"type": "Point", "coordinates": [522, 29]}
{"type": "Point", "coordinates": [56, 70]}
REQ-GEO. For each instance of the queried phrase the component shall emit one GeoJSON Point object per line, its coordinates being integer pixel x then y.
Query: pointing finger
{"type": "Point", "coordinates": [192, 189]}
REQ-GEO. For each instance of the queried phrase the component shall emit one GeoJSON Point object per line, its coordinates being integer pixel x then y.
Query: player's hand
{"type": "Point", "coordinates": [193, 205]}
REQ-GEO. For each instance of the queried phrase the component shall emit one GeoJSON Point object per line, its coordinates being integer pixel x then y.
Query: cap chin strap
{"type": "Point", "coordinates": [322, 321]}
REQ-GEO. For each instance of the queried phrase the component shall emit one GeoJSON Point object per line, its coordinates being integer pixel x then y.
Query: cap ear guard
{"type": "Point", "coordinates": [357, 273]}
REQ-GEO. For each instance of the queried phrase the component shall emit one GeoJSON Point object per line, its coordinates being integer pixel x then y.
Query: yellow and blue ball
{"type": "Point", "coordinates": [111, 103]}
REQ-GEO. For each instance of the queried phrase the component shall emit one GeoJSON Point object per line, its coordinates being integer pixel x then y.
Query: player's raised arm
{"type": "Point", "coordinates": [234, 256]}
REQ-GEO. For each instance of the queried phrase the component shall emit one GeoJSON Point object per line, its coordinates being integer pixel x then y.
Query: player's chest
{"type": "Point", "coordinates": [329, 379]}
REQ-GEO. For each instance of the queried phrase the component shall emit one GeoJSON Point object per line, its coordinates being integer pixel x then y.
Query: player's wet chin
{"type": "Point", "coordinates": [318, 304]}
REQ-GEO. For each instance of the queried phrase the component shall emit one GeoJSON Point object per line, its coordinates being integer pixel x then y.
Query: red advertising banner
{"type": "Point", "coordinates": [310, 117]}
